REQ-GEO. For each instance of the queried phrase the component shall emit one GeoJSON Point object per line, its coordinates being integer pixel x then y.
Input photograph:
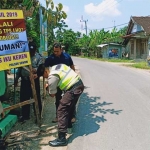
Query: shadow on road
{"type": "Point", "coordinates": [90, 113]}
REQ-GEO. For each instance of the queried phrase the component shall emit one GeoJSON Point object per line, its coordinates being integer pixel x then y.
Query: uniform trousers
{"type": "Point", "coordinates": [58, 97]}
{"type": "Point", "coordinates": [26, 94]}
{"type": "Point", "coordinates": [67, 105]}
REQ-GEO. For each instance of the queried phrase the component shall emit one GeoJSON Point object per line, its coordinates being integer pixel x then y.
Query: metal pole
{"type": "Point", "coordinates": [86, 27]}
{"type": "Point", "coordinates": [85, 21]}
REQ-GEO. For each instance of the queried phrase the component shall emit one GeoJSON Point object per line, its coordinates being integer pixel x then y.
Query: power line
{"type": "Point", "coordinates": [112, 26]}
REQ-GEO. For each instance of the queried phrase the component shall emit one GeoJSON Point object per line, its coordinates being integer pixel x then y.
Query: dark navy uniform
{"type": "Point", "coordinates": [63, 59]}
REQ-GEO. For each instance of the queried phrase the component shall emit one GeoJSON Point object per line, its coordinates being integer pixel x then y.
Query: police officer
{"type": "Point", "coordinates": [59, 57]}
{"type": "Point", "coordinates": [26, 90]}
{"type": "Point", "coordinates": [68, 81]}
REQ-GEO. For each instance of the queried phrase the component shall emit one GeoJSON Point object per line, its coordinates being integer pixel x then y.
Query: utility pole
{"type": "Point", "coordinates": [114, 23]}
{"type": "Point", "coordinates": [85, 21]}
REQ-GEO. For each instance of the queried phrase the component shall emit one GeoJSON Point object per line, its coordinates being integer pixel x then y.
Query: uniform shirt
{"type": "Point", "coordinates": [63, 59]}
{"type": "Point", "coordinates": [36, 60]}
{"type": "Point", "coordinates": [53, 81]}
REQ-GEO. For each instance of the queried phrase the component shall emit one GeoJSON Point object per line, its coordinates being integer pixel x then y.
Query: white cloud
{"type": "Point", "coordinates": [107, 8]}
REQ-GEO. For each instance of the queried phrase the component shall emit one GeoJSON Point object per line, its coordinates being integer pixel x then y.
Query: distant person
{"type": "Point", "coordinates": [59, 57]}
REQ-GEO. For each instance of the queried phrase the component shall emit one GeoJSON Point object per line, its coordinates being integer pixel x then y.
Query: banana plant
{"type": "Point", "coordinates": [53, 15]}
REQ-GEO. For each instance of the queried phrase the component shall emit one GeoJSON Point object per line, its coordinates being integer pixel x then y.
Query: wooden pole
{"type": "Point", "coordinates": [35, 97]}
{"type": "Point", "coordinates": [44, 88]}
{"type": "Point", "coordinates": [19, 104]}
{"type": "Point", "coordinates": [44, 97]}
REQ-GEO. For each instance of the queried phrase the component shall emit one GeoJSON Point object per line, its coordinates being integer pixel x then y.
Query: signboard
{"type": "Point", "coordinates": [14, 51]}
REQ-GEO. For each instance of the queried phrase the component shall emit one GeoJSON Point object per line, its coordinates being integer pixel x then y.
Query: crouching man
{"type": "Point", "coordinates": [68, 81]}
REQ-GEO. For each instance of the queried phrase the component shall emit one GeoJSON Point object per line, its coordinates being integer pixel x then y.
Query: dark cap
{"type": "Point", "coordinates": [32, 46]}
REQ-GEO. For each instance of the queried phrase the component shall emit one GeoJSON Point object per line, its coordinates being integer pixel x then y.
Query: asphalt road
{"type": "Point", "coordinates": [114, 111]}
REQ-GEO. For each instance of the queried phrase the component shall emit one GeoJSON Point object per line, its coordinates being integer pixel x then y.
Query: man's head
{"type": "Point", "coordinates": [32, 49]}
{"type": "Point", "coordinates": [57, 49]}
{"type": "Point", "coordinates": [43, 71]}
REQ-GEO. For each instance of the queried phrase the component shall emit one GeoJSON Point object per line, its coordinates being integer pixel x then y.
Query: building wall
{"type": "Point", "coordinates": [138, 48]}
{"type": "Point", "coordinates": [119, 48]}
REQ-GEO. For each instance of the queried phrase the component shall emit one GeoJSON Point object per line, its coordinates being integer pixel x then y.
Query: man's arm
{"type": "Point", "coordinates": [71, 63]}
{"type": "Point", "coordinates": [53, 83]}
{"type": "Point", "coordinates": [40, 60]}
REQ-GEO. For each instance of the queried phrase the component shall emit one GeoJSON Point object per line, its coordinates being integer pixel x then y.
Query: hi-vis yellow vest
{"type": "Point", "coordinates": [67, 76]}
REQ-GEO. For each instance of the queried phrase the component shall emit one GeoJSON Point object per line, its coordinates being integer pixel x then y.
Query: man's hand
{"type": "Point", "coordinates": [46, 87]}
{"type": "Point", "coordinates": [35, 76]}
{"type": "Point", "coordinates": [52, 95]}
{"type": "Point", "coordinates": [8, 72]}
{"type": "Point", "coordinates": [16, 83]}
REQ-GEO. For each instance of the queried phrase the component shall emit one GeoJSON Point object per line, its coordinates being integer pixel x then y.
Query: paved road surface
{"type": "Point", "coordinates": [114, 110]}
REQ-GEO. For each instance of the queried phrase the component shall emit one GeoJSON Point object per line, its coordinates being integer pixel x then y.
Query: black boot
{"type": "Point", "coordinates": [60, 141]}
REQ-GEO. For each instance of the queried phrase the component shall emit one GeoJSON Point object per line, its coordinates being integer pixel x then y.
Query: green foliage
{"type": "Point", "coordinates": [68, 38]}
{"type": "Point", "coordinates": [141, 65]}
{"type": "Point", "coordinates": [33, 30]}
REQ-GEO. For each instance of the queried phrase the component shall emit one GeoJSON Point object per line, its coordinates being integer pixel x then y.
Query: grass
{"type": "Point", "coordinates": [128, 62]}
{"type": "Point", "coordinates": [140, 65]}
{"type": "Point", "coordinates": [109, 60]}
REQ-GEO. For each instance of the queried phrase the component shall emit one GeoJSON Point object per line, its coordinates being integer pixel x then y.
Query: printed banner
{"type": "Point", "coordinates": [14, 51]}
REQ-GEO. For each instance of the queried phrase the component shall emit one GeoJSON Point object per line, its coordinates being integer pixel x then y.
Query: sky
{"type": "Point", "coordinates": [98, 14]}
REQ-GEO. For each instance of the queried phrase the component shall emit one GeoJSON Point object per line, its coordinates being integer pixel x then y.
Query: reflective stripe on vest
{"type": "Point", "coordinates": [67, 76]}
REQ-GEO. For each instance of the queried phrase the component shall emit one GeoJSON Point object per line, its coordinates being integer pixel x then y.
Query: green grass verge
{"type": "Point", "coordinates": [109, 60]}
{"type": "Point", "coordinates": [140, 65]}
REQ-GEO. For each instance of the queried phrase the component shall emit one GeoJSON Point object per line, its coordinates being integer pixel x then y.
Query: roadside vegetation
{"type": "Point", "coordinates": [126, 62]}
{"type": "Point", "coordinates": [140, 65]}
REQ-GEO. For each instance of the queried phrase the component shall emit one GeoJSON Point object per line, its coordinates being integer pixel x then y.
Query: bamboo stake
{"type": "Point", "coordinates": [44, 97]}
{"type": "Point", "coordinates": [35, 97]}
{"type": "Point", "coordinates": [19, 104]}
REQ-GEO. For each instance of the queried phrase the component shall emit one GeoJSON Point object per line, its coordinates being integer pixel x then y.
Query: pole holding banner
{"type": "Point", "coordinates": [14, 50]}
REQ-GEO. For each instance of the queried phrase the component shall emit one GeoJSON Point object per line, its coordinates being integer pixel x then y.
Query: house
{"type": "Point", "coordinates": [137, 38]}
{"type": "Point", "coordinates": [110, 50]}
